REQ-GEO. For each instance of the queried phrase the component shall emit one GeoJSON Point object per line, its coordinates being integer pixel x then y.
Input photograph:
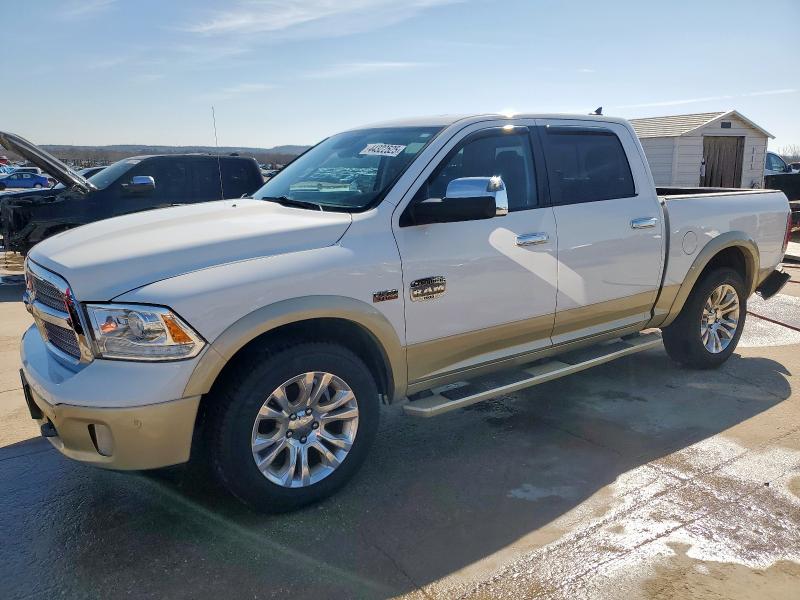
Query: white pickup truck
{"type": "Point", "coordinates": [397, 263]}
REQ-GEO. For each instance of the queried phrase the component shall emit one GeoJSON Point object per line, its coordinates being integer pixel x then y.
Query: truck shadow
{"type": "Point", "coordinates": [434, 497]}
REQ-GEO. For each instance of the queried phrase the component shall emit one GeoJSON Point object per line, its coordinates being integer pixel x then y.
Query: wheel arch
{"type": "Point", "coordinates": [734, 249]}
{"type": "Point", "coordinates": [351, 322]}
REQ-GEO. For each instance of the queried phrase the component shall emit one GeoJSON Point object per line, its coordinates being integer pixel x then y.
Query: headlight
{"type": "Point", "coordinates": [137, 332]}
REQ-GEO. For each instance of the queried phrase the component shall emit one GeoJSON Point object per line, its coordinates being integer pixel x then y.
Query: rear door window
{"type": "Point", "coordinates": [237, 178]}
{"type": "Point", "coordinates": [586, 165]}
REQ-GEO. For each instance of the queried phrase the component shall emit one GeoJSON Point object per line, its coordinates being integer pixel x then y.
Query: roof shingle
{"type": "Point", "coordinates": [673, 125]}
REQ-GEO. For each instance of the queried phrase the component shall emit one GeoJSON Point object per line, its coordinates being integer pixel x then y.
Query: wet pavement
{"type": "Point", "coordinates": [636, 479]}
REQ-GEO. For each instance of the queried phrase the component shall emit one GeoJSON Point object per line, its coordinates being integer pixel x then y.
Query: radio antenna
{"type": "Point", "coordinates": [219, 161]}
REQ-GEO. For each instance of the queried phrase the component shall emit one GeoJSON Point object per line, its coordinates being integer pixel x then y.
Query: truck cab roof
{"type": "Point", "coordinates": [468, 119]}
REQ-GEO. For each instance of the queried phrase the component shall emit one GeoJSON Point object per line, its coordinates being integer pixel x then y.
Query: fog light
{"type": "Point", "coordinates": [102, 439]}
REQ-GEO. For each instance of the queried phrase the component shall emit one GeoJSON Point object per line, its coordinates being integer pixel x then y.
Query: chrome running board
{"type": "Point", "coordinates": [450, 397]}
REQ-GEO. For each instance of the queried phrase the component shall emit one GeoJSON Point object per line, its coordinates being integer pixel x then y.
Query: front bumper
{"type": "Point", "coordinates": [141, 437]}
{"type": "Point", "coordinates": [92, 414]}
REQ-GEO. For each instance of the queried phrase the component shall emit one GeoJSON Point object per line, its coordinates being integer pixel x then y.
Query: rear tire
{"type": "Point", "coordinates": [304, 458]}
{"type": "Point", "coordinates": [709, 326]}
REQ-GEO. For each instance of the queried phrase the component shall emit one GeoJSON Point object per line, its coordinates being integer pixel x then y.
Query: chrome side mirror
{"type": "Point", "coordinates": [143, 180]}
{"type": "Point", "coordinates": [480, 187]}
{"type": "Point", "coordinates": [466, 199]}
{"type": "Point", "coordinates": [140, 184]}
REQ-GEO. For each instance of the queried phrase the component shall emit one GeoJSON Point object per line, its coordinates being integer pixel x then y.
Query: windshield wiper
{"type": "Point", "coordinates": [284, 201]}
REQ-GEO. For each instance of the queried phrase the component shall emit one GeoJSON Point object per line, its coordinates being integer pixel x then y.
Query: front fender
{"type": "Point", "coordinates": [294, 310]}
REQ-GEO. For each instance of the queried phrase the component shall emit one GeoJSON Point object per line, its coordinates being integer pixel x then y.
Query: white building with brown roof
{"type": "Point", "coordinates": [718, 149]}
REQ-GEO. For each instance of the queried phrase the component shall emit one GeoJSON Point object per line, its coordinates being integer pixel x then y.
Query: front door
{"type": "Point", "coordinates": [492, 281]}
{"type": "Point", "coordinates": [610, 231]}
{"type": "Point", "coordinates": [723, 157]}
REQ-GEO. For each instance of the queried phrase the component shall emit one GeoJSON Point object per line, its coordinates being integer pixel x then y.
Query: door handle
{"type": "Point", "coordinates": [532, 239]}
{"type": "Point", "coordinates": [644, 223]}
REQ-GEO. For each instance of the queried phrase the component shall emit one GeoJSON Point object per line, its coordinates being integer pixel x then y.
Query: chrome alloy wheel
{"type": "Point", "coordinates": [720, 318]}
{"type": "Point", "coordinates": [305, 429]}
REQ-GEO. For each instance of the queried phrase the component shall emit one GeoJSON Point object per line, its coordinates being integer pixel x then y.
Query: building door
{"type": "Point", "coordinates": [723, 156]}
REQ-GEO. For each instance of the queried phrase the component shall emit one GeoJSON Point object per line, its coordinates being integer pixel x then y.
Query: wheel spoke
{"type": "Point", "coordinates": [322, 385]}
{"type": "Point", "coordinates": [328, 457]}
{"type": "Point", "coordinates": [267, 460]}
{"type": "Point", "coordinates": [279, 396]}
{"type": "Point", "coordinates": [717, 342]}
{"type": "Point", "coordinates": [342, 415]}
{"type": "Point", "coordinates": [287, 476]}
{"type": "Point", "coordinates": [342, 442]}
{"type": "Point", "coordinates": [305, 472]}
{"type": "Point", "coordinates": [726, 332]}
{"type": "Point", "coordinates": [262, 442]}
{"type": "Point", "coordinates": [269, 414]}
{"type": "Point", "coordinates": [727, 302]}
{"type": "Point", "coordinates": [341, 398]}
{"type": "Point", "coordinates": [306, 384]}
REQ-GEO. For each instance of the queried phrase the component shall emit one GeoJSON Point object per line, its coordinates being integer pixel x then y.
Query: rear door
{"type": "Point", "coordinates": [610, 231]}
{"type": "Point", "coordinates": [206, 180]}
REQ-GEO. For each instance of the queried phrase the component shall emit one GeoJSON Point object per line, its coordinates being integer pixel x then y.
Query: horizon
{"type": "Point", "coordinates": [288, 72]}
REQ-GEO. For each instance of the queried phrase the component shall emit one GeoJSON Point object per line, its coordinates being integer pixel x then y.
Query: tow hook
{"type": "Point", "coordinates": [49, 430]}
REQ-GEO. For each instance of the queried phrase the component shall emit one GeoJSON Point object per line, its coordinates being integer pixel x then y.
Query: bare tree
{"type": "Point", "coordinates": [790, 152]}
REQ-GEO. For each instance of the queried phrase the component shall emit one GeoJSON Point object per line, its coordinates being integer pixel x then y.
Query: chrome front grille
{"type": "Point", "coordinates": [63, 339]}
{"type": "Point", "coordinates": [47, 293]}
{"type": "Point", "coordinates": [57, 316]}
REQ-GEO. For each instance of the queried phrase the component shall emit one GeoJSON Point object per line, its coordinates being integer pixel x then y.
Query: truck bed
{"type": "Point", "coordinates": [705, 191]}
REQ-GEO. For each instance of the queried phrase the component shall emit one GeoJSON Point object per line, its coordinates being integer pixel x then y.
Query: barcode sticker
{"type": "Point", "coordinates": [382, 150]}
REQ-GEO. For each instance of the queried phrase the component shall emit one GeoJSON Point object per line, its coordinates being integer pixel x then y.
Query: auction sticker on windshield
{"type": "Point", "coordinates": [382, 149]}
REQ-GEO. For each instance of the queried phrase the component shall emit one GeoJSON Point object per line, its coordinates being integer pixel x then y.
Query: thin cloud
{"type": "Point", "coordinates": [310, 18]}
{"type": "Point", "coordinates": [676, 102]}
{"type": "Point", "coordinates": [708, 99]}
{"type": "Point", "coordinates": [362, 68]}
{"type": "Point", "coordinates": [241, 89]}
{"type": "Point", "coordinates": [772, 92]}
{"type": "Point", "coordinates": [83, 9]}
{"type": "Point", "coordinates": [105, 63]}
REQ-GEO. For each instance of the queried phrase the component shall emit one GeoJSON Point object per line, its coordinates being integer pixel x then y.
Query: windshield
{"type": "Point", "coordinates": [349, 171]}
{"type": "Point", "coordinates": [82, 173]}
{"type": "Point", "coordinates": [110, 174]}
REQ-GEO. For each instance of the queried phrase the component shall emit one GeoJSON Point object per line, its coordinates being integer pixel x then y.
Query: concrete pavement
{"type": "Point", "coordinates": [636, 479]}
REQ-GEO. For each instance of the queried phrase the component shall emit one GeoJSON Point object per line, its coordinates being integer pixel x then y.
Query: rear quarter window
{"type": "Point", "coordinates": [239, 177]}
{"type": "Point", "coordinates": [586, 165]}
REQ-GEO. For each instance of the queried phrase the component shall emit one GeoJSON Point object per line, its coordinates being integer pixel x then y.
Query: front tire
{"type": "Point", "coordinates": [291, 427]}
{"type": "Point", "coordinates": [709, 326]}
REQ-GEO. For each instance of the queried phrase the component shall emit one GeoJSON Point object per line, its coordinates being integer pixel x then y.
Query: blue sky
{"type": "Point", "coordinates": [294, 71]}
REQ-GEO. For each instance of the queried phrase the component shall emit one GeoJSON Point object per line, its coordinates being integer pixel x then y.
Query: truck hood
{"type": "Point", "coordinates": [45, 161]}
{"type": "Point", "coordinates": [105, 259]}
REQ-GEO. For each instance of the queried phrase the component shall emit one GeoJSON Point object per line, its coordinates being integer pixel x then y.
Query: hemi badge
{"type": "Point", "coordinates": [385, 295]}
{"type": "Point", "coordinates": [428, 288]}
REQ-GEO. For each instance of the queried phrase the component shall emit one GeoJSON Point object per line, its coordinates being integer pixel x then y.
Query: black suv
{"type": "Point", "coordinates": [128, 186]}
